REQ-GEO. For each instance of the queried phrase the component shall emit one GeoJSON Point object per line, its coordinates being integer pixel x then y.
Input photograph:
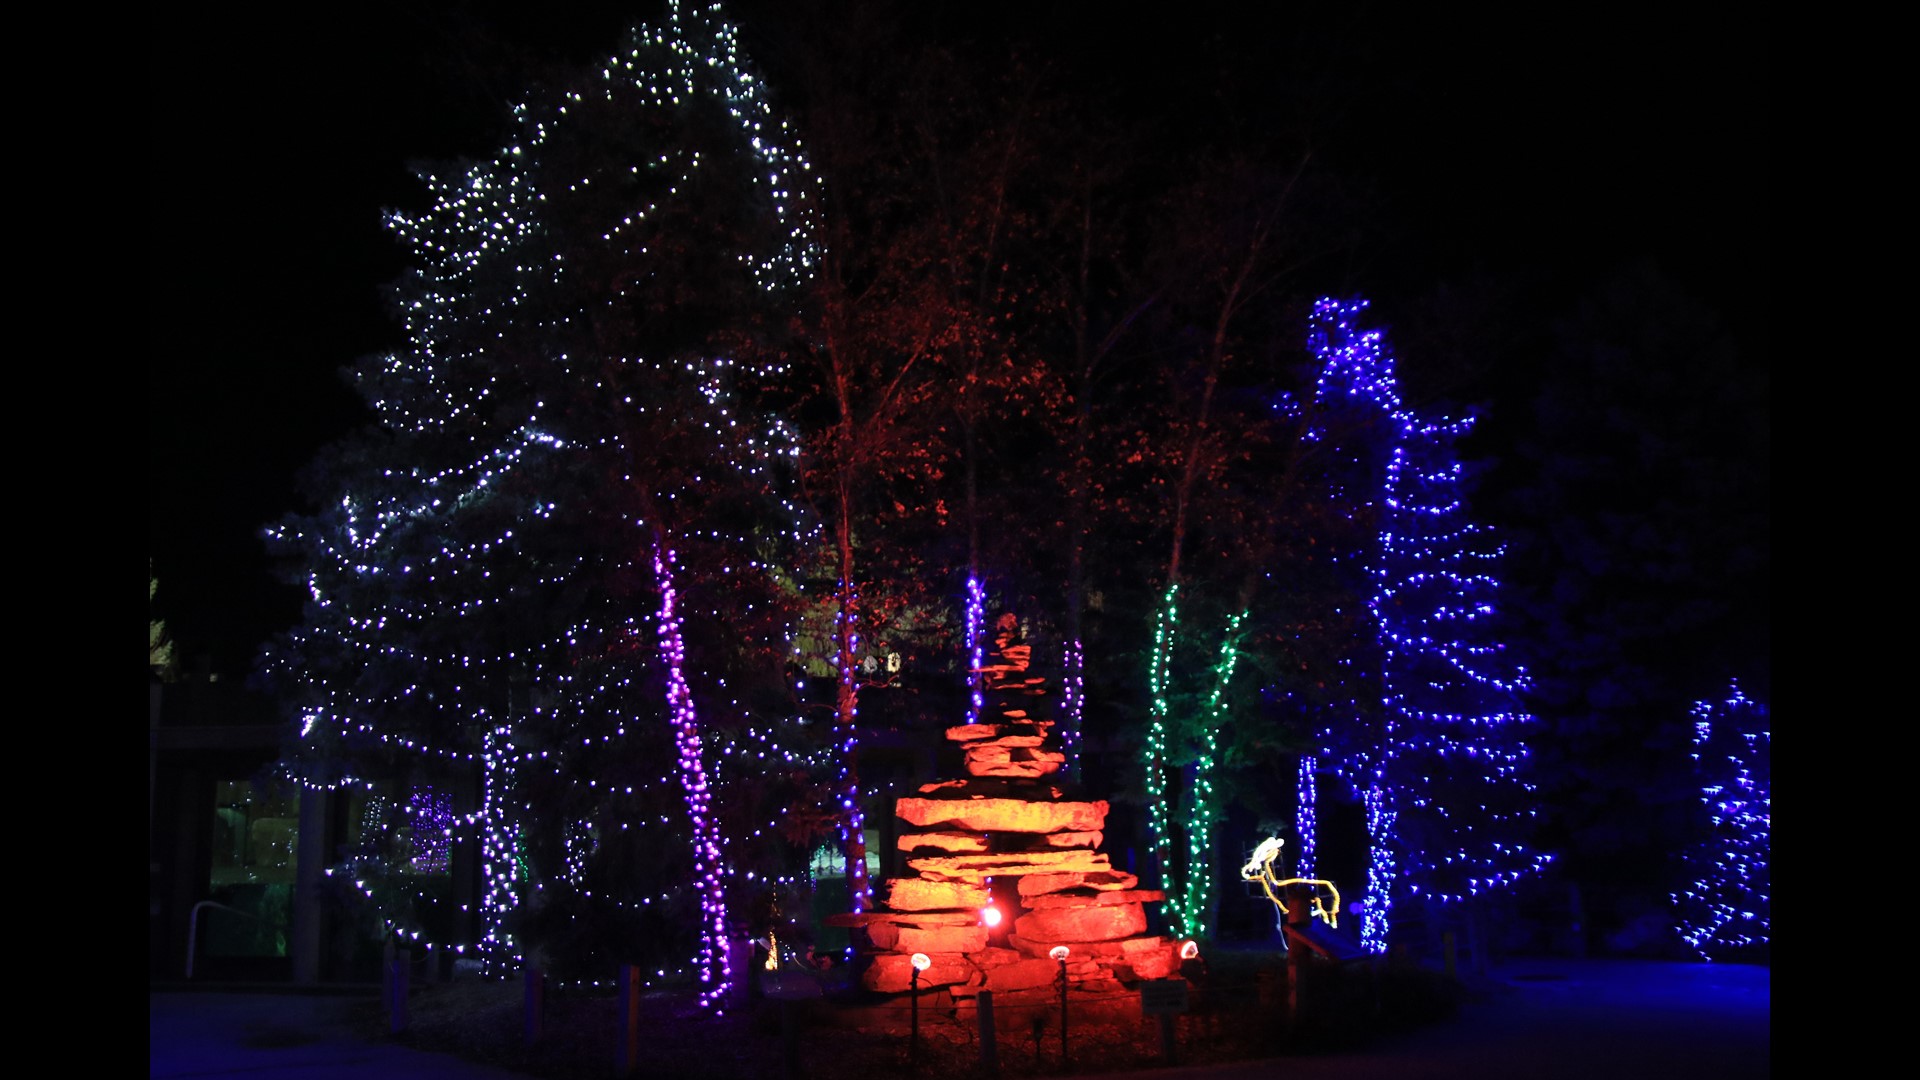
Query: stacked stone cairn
{"type": "Point", "coordinates": [1009, 818]}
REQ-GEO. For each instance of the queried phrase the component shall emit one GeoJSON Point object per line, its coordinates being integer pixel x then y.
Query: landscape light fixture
{"type": "Point", "coordinates": [1060, 952]}
{"type": "Point", "coordinates": [921, 962]}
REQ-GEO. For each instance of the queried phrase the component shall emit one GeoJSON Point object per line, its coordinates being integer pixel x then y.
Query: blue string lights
{"type": "Point", "coordinates": [1438, 757]}
{"type": "Point", "coordinates": [1727, 908]}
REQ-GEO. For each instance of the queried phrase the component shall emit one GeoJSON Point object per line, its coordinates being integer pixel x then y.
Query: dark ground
{"type": "Point", "coordinates": [1549, 1018]}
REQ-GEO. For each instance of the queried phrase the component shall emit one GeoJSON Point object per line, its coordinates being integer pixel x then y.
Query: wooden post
{"type": "Point", "coordinates": [1295, 962]}
{"type": "Point", "coordinates": [629, 1018]}
{"type": "Point", "coordinates": [989, 1054]}
{"type": "Point", "coordinates": [1299, 914]}
{"type": "Point", "coordinates": [536, 1002]}
{"type": "Point", "coordinates": [913, 999]}
{"type": "Point", "coordinates": [1166, 999]}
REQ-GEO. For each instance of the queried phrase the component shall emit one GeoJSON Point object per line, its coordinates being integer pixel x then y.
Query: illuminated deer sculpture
{"type": "Point", "coordinates": [1259, 868]}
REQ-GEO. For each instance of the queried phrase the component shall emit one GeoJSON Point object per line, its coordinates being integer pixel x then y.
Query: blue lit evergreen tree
{"type": "Point", "coordinates": [1725, 910]}
{"type": "Point", "coordinates": [550, 576]}
{"type": "Point", "coordinates": [1638, 508]}
{"type": "Point", "coordinates": [1352, 424]}
{"type": "Point", "coordinates": [1425, 725]}
{"type": "Point", "coordinates": [1457, 731]}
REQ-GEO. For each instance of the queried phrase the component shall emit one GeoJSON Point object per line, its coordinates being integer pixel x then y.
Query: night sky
{"type": "Point", "coordinates": [1558, 146]}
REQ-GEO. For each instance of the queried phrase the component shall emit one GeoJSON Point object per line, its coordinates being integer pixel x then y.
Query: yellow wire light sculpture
{"type": "Point", "coordinates": [1259, 868]}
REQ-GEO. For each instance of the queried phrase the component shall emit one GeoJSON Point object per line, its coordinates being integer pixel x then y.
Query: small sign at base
{"type": "Point", "coordinates": [1160, 997]}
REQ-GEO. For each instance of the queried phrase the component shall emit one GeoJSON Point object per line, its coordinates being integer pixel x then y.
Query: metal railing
{"type": "Point", "coordinates": [193, 927]}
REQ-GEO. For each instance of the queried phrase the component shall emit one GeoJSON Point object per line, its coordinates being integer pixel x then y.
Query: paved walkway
{"type": "Point", "coordinates": [1564, 1020]}
{"type": "Point", "coordinates": [278, 1034]}
{"type": "Point", "coordinates": [1538, 1020]}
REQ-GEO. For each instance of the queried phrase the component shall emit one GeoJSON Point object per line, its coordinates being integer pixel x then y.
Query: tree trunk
{"type": "Point", "coordinates": [846, 708]}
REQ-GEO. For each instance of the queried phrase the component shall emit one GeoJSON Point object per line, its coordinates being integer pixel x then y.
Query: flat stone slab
{"type": "Point", "coordinates": [968, 787]}
{"type": "Point", "coordinates": [1013, 734]}
{"type": "Point", "coordinates": [892, 972]}
{"type": "Point", "coordinates": [1004, 815]}
{"type": "Point", "coordinates": [943, 841]}
{"type": "Point", "coordinates": [1021, 975]}
{"type": "Point", "coordinates": [994, 759]}
{"type": "Point", "coordinates": [1111, 896]}
{"type": "Point", "coordinates": [920, 894]}
{"type": "Point", "coordinates": [1106, 922]}
{"type": "Point", "coordinates": [928, 939]}
{"type": "Point", "coordinates": [1151, 958]}
{"type": "Point", "coordinates": [993, 956]}
{"type": "Point", "coordinates": [1028, 770]}
{"type": "Point", "coordinates": [1003, 750]}
{"type": "Point", "coordinates": [1087, 838]}
{"type": "Point", "coordinates": [979, 867]}
{"type": "Point", "coordinates": [1121, 951]}
{"type": "Point", "coordinates": [1107, 953]}
{"type": "Point", "coordinates": [1007, 742]}
{"type": "Point", "coordinates": [1041, 884]}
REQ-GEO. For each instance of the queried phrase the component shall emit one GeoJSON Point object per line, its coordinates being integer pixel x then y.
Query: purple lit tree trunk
{"type": "Point", "coordinates": [707, 858]}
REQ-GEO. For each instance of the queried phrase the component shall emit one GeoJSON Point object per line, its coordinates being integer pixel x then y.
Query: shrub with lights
{"type": "Point", "coordinates": [1725, 910]}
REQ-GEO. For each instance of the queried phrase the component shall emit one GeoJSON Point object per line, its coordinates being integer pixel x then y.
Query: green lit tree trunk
{"type": "Point", "coordinates": [1166, 735]}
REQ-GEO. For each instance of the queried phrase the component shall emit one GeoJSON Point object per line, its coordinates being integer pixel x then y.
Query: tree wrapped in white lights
{"type": "Point", "coordinates": [1726, 908]}
{"type": "Point", "coordinates": [549, 574]}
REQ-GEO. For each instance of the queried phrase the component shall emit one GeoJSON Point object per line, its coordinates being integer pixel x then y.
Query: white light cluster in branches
{"type": "Point", "coordinates": [530, 407]}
